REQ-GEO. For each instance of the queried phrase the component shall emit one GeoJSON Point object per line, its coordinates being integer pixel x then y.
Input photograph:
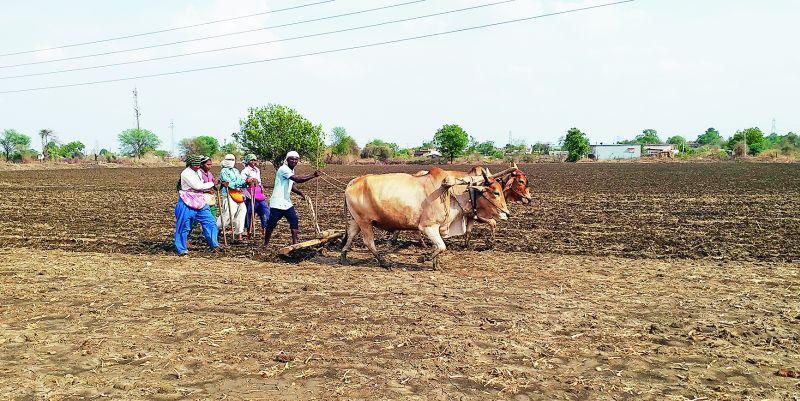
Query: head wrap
{"type": "Point", "coordinates": [192, 161]}
{"type": "Point", "coordinates": [204, 159]}
{"type": "Point", "coordinates": [289, 154]}
{"type": "Point", "coordinates": [249, 157]}
{"type": "Point", "coordinates": [229, 161]}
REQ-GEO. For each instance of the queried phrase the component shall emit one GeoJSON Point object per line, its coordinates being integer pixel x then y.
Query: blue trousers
{"type": "Point", "coordinates": [262, 211]}
{"type": "Point", "coordinates": [185, 217]}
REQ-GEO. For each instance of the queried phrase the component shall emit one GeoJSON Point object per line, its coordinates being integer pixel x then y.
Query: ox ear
{"type": "Point", "coordinates": [485, 178]}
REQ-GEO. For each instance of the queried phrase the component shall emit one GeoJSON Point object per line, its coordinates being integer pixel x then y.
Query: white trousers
{"type": "Point", "coordinates": [237, 213]}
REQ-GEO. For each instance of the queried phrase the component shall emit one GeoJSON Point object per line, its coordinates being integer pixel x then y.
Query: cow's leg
{"type": "Point", "coordinates": [395, 236]}
{"type": "Point", "coordinates": [468, 233]}
{"type": "Point", "coordinates": [368, 235]}
{"type": "Point", "coordinates": [432, 232]}
{"type": "Point", "coordinates": [352, 231]}
{"type": "Point", "coordinates": [493, 230]}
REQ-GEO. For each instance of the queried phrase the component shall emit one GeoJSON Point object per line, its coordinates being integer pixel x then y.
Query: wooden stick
{"type": "Point", "coordinates": [253, 211]}
{"type": "Point", "coordinates": [230, 214]}
{"type": "Point", "coordinates": [222, 219]}
{"type": "Point", "coordinates": [325, 236]}
{"type": "Point", "coordinates": [314, 216]}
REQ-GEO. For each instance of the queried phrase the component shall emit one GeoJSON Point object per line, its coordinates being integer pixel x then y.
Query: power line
{"type": "Point", "coordinates": [168, 29]}
{"type": "Point", "coordinates": [213, 36]}
{"type": "Point", "coordinates": [342, 49]}
{"type": "Point", "coordinates": [263, 43]}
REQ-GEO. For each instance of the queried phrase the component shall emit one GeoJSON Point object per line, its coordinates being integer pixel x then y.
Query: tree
{"type": "Point", "coordinates": [710, 137]}
{"type": "Point", "coordinates": [648, 136]}
{"type": "Point", "coordinates": [343, 144]}
{"type": "Point", "coordinates": [72, 149]}
{"type": "Point", "coordinates": [485, 148]}
{"type": "Point", "coordinates": [451, 140]}
{"type": "Point", "coordinates": [576, 144]}
{"type": "Point", "coordinates": [540, 148]}
{"type": "Point", "coordinates": [272, 131]}
{"type": "Point", "coordinates": [229, 148]}
{"type": "Point", "coordinates": [136, 142]}
{"type": "Point", "coordinates": [46, 135]}
{"type": "Point", "coordinates": [380, 150]}
{"type": "Point", "coordinates": [12, 143]}
{"type": "Point", "coordinates": [678, 141]}
{"type": "Point", "coordinates": [51, 150]}
{"type": "Point", "coordinates": [752, 137]}
{"type": "Point", "coordinates": [199, 145]}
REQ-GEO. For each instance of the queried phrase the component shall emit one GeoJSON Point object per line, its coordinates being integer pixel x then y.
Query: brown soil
{"type": "Point", "coordinates": [627, 281]}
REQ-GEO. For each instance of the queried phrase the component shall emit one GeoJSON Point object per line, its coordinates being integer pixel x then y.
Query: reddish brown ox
{"type": "Point", "coordinates": [399, 202]}
{"type": "Point", "coordinates": [515, 189]}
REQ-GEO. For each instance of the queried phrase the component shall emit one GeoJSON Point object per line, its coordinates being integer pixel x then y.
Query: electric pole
{"type": "Point", "coordinates": [136, 106]}
{"type": "Point", "coordinates": [774, 129]}
{"type": "Point", "coordinates": [172, 137]}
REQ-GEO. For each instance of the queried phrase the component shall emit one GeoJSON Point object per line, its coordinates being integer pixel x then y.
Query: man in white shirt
{"type": "Point", "coordinates": [280, 204]}
{"type": "Point", "coordinates": [192, 207]}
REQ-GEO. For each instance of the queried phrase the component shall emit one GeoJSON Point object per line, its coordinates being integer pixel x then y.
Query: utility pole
{"type": "Point", "coordinates": [136, 106]}
{"type": "Point", "coordinates": [774, 129]}
{"type": "Point", "coordinates": [172, 137]}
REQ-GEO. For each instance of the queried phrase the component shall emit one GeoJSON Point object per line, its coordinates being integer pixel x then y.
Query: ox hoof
{"type": "Point", "coordinates": [343, 259]}
{"type": "Point", "coordinates": [383, 263]}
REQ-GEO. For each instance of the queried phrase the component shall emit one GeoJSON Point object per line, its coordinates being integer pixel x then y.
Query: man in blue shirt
{"type": "Point", "coordinates": [280, 204]}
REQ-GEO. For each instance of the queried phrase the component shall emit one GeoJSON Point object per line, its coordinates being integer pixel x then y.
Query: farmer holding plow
{"type": "Point", "coordinates": [281, 203]}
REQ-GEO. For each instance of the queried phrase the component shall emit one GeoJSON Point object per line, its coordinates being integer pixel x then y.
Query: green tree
{"type": "Point", "coordinates": [343, 144]}
{"type": "Point", "coordinates": [136, 142]}
{"type": "Point", "coordinates": [451, 140]}
{"type": "Point", "coordinates": [72, 149]}
{"type": "Point", "coordinates": [541, 148]}
{"type": "Point", "coordinates": [576, 144]}
{"type": "Point", "coordinates": [230, 148]}
{"type": "Point", "coordinates": [199, 145]}
{"type": "Point", "coordinates": [753, 137]}
{"type": "Point", "coordinates": [486, 148]}
{"type": "Point", "coordinates": [272, 131]}
{"type": "Point", "coordinates": [648, 136]}
{"type": "Point", "coordinates": [378, 149]}
{"type": "Point", "coordinates": [13, 143]}
{"type": "Point", "coordinates": [51, 150]}
{"type": "Point", "coordinates": [710, 137]}
{"type": "Point", "coordinates": [678, 141]}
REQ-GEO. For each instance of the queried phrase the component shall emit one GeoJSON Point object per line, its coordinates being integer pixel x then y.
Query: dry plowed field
{"type": "Point", "coordinates": [620, 281]}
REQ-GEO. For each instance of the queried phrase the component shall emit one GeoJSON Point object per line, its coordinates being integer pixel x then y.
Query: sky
{"type": "Point", "coordinates": [677, 66]}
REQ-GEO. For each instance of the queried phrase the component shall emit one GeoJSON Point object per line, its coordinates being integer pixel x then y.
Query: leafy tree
{"type": "Point", "coordinates": [753, 137]}
{"type": "Point", "coordinates": [576, 144]}
{"type": "Point", "coordinates": [541, 148]}
{"type": "Point", "coordinates": [229, 148]}
{"type": "Point", "coordinates": [516, 147]}
{"type": "Point", "coordinates": [648, 136]}
{"type": "Point", "coordinates": [678, 141]}
{"type": "Point", "coordinates": [272, 131]}
{"type": "Point", "coordinates": [136, 142]}
{"type": "Point", "coordinates": [486, 148]}
{"type": "Point", "coordinates": [379, 149]}
{"type": "Point", "coordinates": [13, 143]}
{"type": "Point", "coordinates": [199, 145]}
{"type": "Point", "coordinates": [72, 149]}
{"type": "Point", "coordinates": [451, 140]}
{"type": "Point", "coordinates": [343, 144]}
{"type": "Point", "coordinates": [51, 150]}
{"type": "Point", "coordinates": [710, 137]}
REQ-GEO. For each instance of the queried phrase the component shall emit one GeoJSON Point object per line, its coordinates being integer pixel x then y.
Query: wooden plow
{"type": "Point", "coordinates": [323, 237]}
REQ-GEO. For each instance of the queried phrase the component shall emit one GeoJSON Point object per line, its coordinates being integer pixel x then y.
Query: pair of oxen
{"type": "Point", "coordinates": [437, 203]}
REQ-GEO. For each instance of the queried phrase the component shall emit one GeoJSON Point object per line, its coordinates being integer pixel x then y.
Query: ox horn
{"type": "Point", "coordinates": [506, 171]}
{"type": "Point", "coordinates": [485, 177]}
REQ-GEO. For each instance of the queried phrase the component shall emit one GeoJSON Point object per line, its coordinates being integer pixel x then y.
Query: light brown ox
{"type": "Point", "coordinates": [400, 202]}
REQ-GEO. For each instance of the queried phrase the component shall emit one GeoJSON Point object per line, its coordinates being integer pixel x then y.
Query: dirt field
{"type": "Point", "coordinates": [622, 281]}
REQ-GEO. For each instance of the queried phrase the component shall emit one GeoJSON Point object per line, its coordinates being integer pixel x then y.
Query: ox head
{"type": "Point", "coordinates": [490, 202]}
{"type": "Point", "coordinates": [515, 185]}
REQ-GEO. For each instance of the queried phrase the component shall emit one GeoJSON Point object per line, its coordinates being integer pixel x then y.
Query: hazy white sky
{"type": "Point", "coordinates": [677, 66]}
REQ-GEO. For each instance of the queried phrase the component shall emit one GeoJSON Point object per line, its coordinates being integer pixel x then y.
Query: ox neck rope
{"type": "Point", "coordinates": [473, 200]}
